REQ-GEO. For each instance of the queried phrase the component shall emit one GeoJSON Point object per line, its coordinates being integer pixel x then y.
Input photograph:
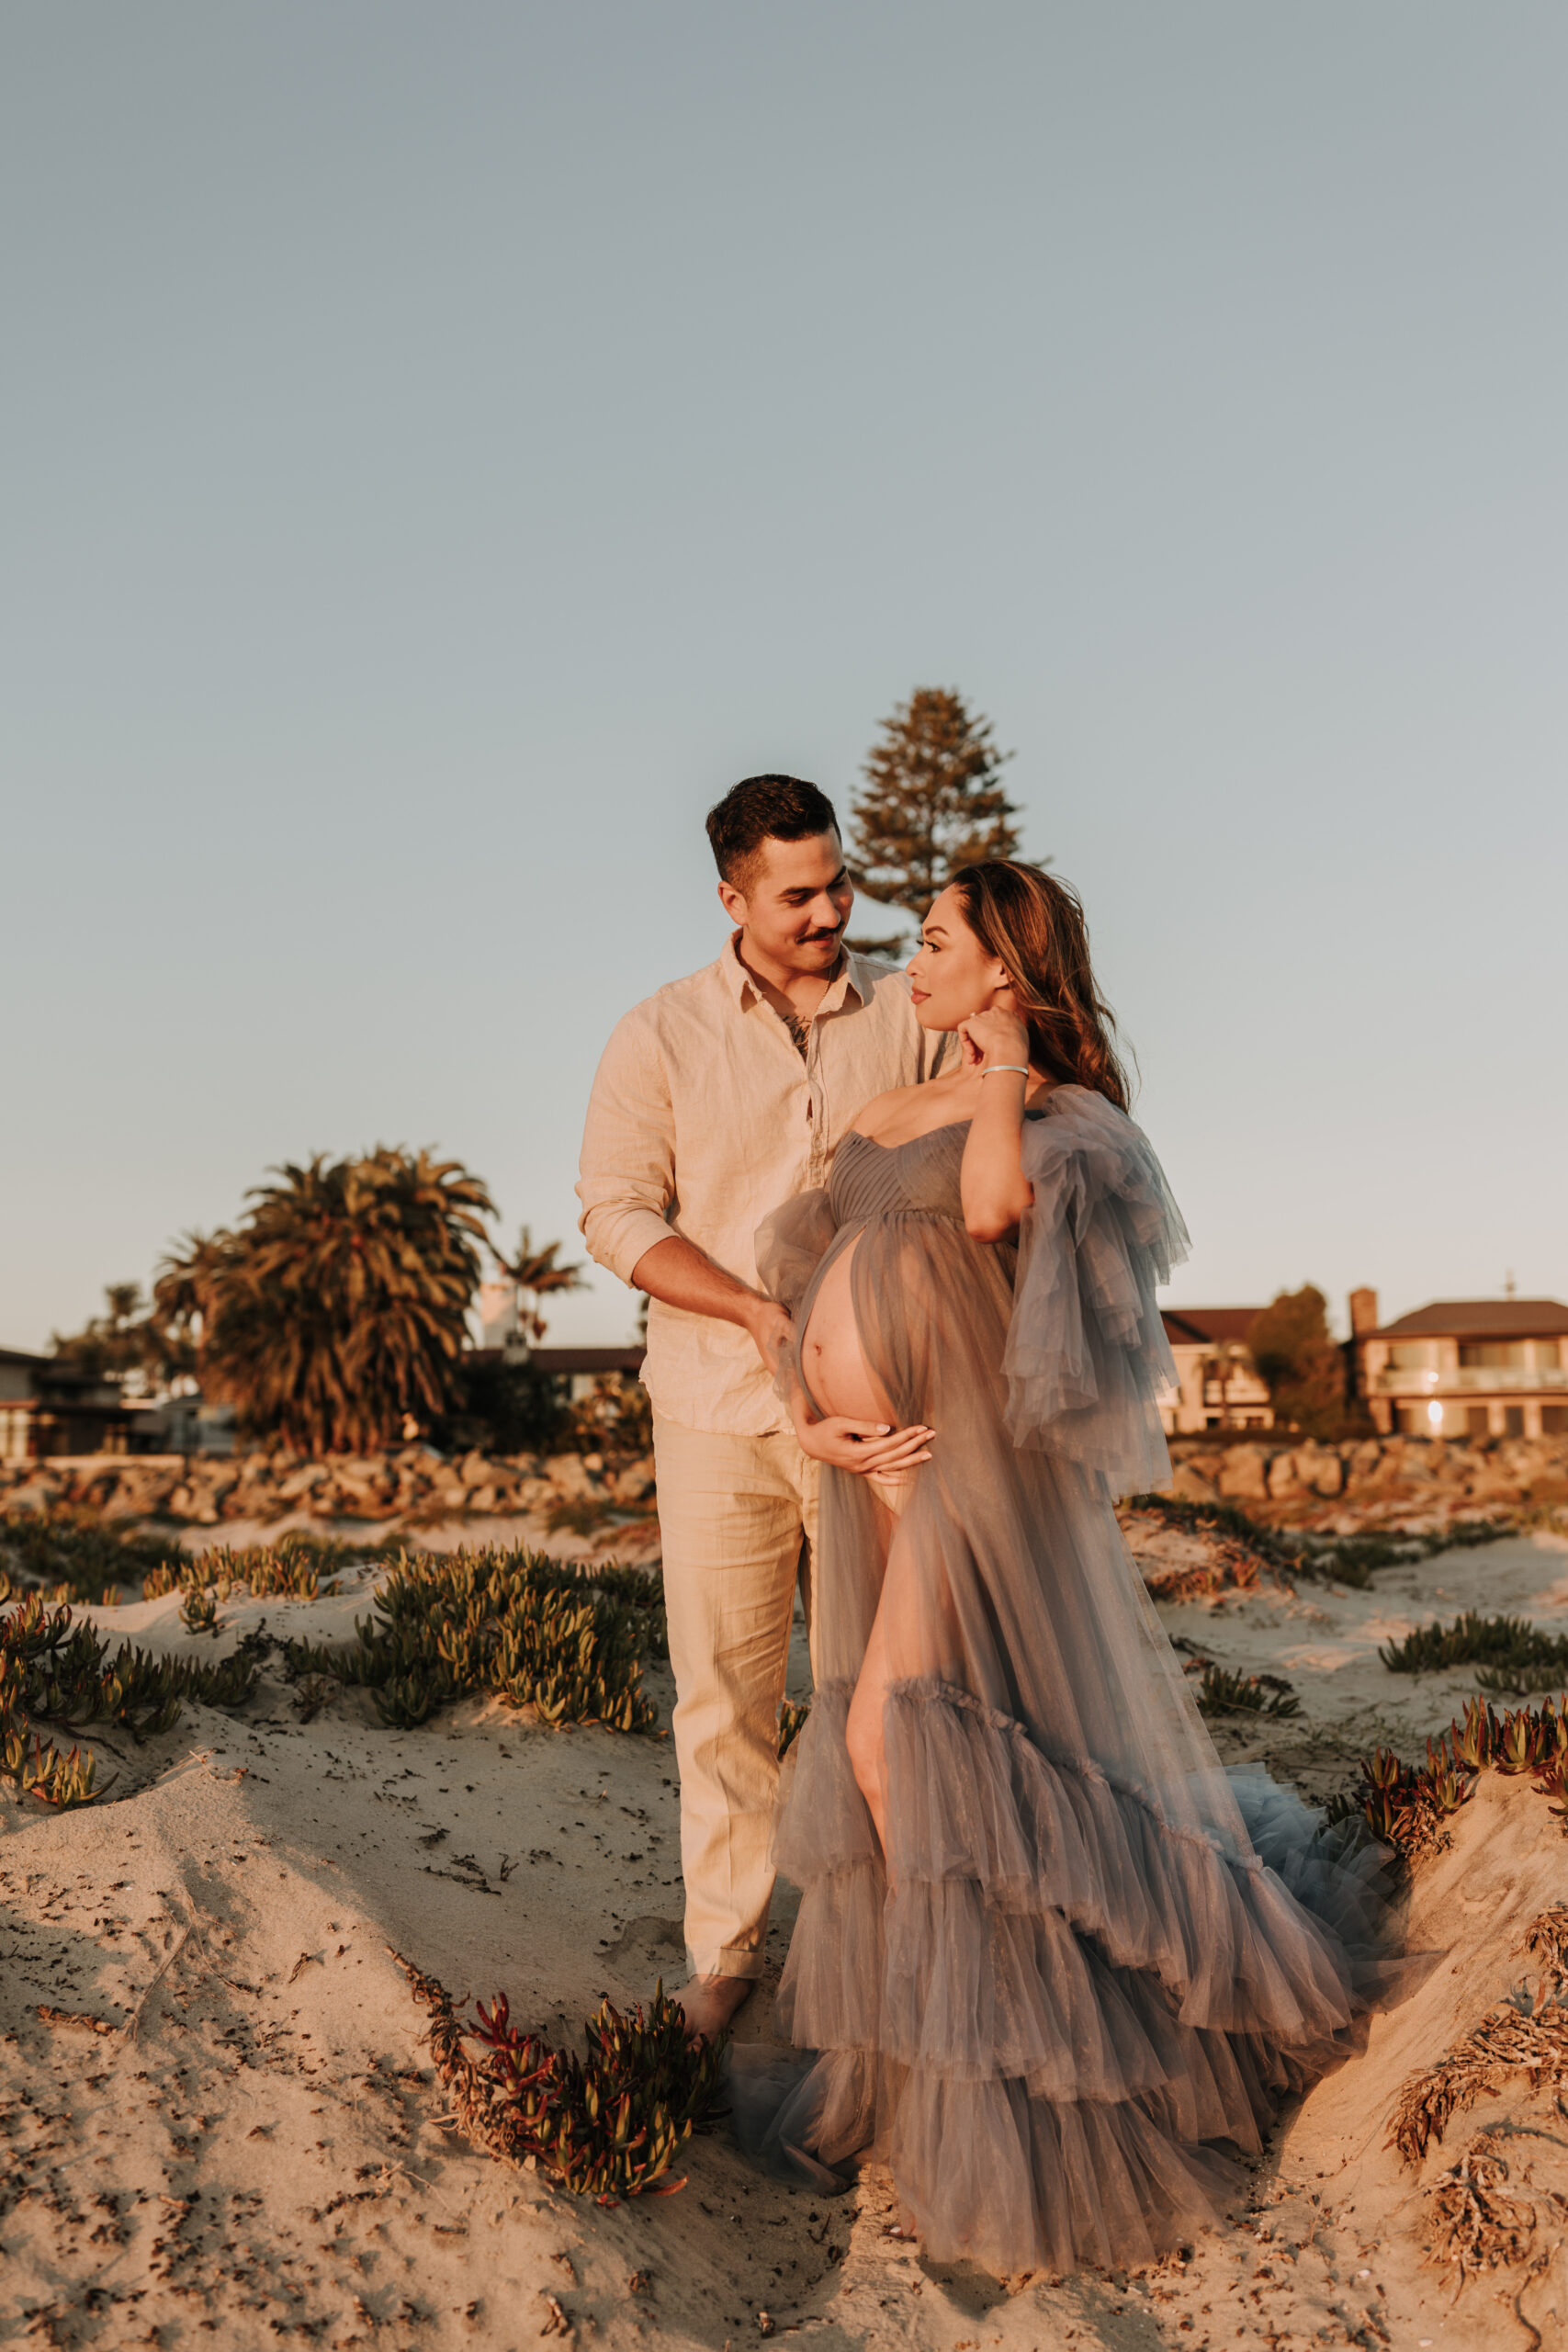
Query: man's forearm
{"type": "Point", "coordinates": [680, 1274]}
{"type": "Point", "coordinates": [683, 1275]}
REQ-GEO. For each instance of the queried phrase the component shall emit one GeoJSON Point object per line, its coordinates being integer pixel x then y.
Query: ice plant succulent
{"type": "Point", "coordinates": [607, 2125]}
{"type": "Point", "coordinates": [567, 1643]}
{"type": "Point", "coordinates": [1404, 1803]}
{"type": "Point", "coordinates": [53, 1669]}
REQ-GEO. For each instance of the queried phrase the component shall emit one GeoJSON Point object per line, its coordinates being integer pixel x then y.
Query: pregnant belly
{"type": "Point", "coordinates": [831, 1357]}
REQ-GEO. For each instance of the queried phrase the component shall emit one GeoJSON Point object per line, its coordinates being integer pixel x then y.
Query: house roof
{"type": "Point", "coordinates": [21, 1355]}
{"type": "Point", "coordinates": [587, 1358]}
{"type": "Point", "coordinates": [567, 1359]}
{"type": "Point", "coordinates": [1483, 1318]}
{"type": "Point", "coordinates": [1187, 1327]}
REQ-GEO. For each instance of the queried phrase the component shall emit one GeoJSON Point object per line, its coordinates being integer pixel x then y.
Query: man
{"type": "Point", "coordinates": [717, 1099]}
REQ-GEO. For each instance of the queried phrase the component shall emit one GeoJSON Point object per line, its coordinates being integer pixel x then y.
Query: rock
{"type": "Point", "coordinates": [1282, 1474]}
{"type": "Point", "coordinates": [1320, 1470]}
{"type": "Point", "coordinates": [1242, 1474]}
{"type": "Point", "coordinates": [302, 1481]}
{"type": "Point", "coordinates": [37, 1494]}
{"type": "Point", "coordinates": [568, 1474]}
{"type": "Point", "coordinates": [1189, 1485]}
{"type": "Point", "coordinates": [1363, 1460]}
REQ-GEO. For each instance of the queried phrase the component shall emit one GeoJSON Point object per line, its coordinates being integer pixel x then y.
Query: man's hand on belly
{"type": "Point", "coordinates": [772, 1330]}
{"type": "Point", "coordinates": [683, 1275]}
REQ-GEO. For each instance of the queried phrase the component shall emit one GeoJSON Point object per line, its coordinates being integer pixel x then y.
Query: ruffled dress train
{"type": "Point", "coordinates": [1092, 1959]}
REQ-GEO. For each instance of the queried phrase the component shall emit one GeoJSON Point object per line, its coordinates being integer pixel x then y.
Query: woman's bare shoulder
{"type": "Point", "coordinates": [905, 1111]}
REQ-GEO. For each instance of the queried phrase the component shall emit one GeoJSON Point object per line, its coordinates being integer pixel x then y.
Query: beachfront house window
{"type": "Point", "coordinates": [1554, 1420]}
{"type": "Point", "coordinates": [1490, 1354]}
{"type": "Point", "coordinates": [1548, 1355]}
{"type": "Point", "coordinates": [1411, 1355]}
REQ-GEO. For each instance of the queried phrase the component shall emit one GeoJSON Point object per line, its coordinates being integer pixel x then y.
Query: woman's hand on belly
{"type": "Point", "coordinates": [871, 1449]}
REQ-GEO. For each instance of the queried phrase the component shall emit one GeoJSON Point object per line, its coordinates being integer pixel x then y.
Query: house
{"type": "Point", "coordinates": [1467, 1367]}
{"type": "Point", "coordinates": [49, 1407]}
{"type": "Point", "coordinates": [1217, 1382]}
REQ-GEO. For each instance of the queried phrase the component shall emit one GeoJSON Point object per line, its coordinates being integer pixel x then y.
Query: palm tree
{"type": "Point", "coordinates": [338, 1305]}
{"type": "Point", "coordinates": [536, 1275]}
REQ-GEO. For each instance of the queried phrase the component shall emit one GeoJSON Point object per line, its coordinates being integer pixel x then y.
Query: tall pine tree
{"type": "Point", "coordinates": [932, 802]}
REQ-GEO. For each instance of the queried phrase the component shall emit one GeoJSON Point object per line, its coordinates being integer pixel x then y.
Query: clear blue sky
{"type": "Point", "coordinates": [444, 448]}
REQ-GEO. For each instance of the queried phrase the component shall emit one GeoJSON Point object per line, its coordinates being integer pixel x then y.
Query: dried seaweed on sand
{"type": "Point", "coordinates": [1475, 2222]}
{"type": "Point", "coordinates": [1526, 2034]}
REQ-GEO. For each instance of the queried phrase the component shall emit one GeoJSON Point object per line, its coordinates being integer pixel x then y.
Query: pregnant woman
{"type": "Point", "coordinates": [1048, 1951]}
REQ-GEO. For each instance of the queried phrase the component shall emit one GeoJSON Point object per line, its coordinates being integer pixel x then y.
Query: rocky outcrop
{"type": "Point", "coordinates": [1370, 1482]}
{"type": "Point", "coordinates": [1364, 1483]}
{"type": "Point", "coordinates": [411, 1485]}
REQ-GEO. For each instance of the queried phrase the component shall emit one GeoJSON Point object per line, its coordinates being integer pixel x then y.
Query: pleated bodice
{"type": "Point", "coordinates": [872, 1179]}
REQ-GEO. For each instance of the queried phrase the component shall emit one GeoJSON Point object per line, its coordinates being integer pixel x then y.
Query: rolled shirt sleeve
{"type": "Point", "coordinates": [626, 1180]}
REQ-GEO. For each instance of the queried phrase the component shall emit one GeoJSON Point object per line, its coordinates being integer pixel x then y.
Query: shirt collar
{"type": "Point", "coordinates": [847, 980]}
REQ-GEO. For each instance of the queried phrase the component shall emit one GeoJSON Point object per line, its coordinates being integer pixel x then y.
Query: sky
{"type": "Point", "coordinates": [444, 448]}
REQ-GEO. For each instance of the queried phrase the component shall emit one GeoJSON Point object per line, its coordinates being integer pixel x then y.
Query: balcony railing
{"type": "Point", "coordinates": [1469, 1378]}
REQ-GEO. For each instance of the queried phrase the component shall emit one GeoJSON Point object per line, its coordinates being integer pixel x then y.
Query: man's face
{"type": "Point", "coordinates": [796, 902]}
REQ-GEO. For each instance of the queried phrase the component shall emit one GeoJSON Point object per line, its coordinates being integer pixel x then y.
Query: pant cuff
{"type": "Point", "coordinates": [731, 1960]}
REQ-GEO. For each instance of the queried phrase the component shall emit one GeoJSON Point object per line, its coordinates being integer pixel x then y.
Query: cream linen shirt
{"type": "Point", "coordinates": [703, 1116]}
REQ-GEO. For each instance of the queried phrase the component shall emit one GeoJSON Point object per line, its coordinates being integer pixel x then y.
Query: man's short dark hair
{"type": "Point", "coordinates": [764, 809]}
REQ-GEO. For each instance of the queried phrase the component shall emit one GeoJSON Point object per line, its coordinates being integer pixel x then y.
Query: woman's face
{"type": "Point", "coordinates": [951, 975]}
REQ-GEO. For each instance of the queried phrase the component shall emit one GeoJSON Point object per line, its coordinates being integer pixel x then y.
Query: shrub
{"type": "Point", "coordinates": [1511, 1653]}
{"type": "Point", "coordinates": [792, 1722]}
{"type": "Point", "coordinates": [1334, 1559]}
{"type": "Point", "coordinates": [1299, 1363]}
{"type": "Point", "coordinates": [55, 1670]}
{"type": "Point", "coordinates": [1221, 1691]}
{"type": "Point", "coordinates": [71, 1556]}
{"type": "Point", "coordinates": [1405, 1805]}
{"type": "Point", "coordinates": [567, 1642]}
{"type": "Point", "coordinates": [301, 1567]}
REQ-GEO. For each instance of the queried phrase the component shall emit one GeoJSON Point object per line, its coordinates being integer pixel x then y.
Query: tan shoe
{"type": "Point", "coordinates": [711, 2002]}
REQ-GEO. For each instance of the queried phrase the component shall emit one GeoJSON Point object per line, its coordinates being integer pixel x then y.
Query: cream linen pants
{"type": "Point", "coordinates": [738, 1518]}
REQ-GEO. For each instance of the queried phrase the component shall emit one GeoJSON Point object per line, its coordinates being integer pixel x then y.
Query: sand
{"type": "Point", "coordinates": [254, 2148]}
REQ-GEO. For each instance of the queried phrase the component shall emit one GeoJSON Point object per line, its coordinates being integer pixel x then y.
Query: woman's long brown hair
{"type": "Point", "coordinates": [1034, 925]}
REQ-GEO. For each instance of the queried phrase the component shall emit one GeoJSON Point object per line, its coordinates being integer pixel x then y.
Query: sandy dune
{"type": "Point", "coordinates": [253, 2149]}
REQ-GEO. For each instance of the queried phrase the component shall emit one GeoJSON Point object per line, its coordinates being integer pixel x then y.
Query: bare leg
{"type": "Point", "coordinates": [865, 1735]}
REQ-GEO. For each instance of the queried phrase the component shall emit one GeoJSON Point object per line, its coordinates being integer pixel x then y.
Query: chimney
{"type": "Point", "coordinates": [1363, 1313]}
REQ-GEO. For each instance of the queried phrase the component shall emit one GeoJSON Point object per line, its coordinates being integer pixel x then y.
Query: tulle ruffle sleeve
{"type": "Point", "coordinates": [1087, 1356]}
{"type": "Point", "coordinates": [791, 1244]}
